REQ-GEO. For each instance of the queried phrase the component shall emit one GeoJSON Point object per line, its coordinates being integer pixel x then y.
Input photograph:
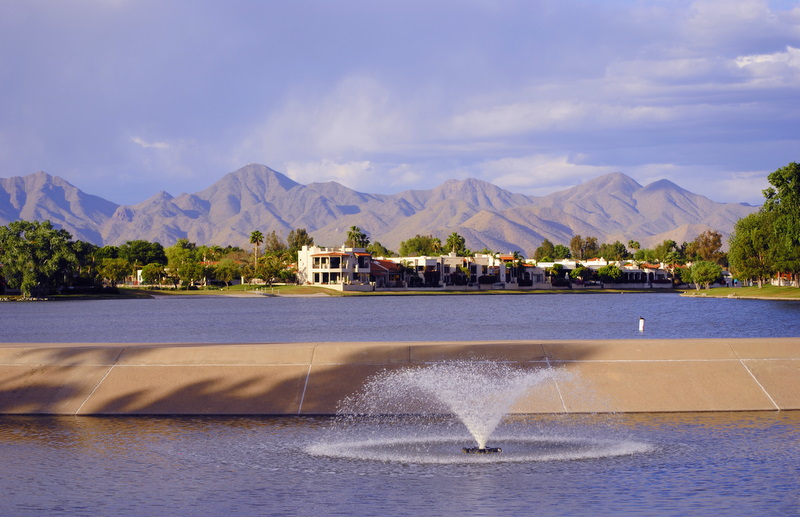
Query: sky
{"type": "Point", "coordinates": [126, 98]}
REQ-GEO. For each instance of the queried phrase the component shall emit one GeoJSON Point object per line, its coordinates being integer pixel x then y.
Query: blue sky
{"type": "Point", "coordinates": [125, 98]}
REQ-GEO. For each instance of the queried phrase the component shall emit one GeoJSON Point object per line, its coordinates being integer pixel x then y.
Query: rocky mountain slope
{"type": "Point", "coordinates": [255, 197]}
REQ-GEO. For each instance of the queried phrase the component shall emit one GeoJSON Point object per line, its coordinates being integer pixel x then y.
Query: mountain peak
{"type": "Point", "coordinates": [255, 197]}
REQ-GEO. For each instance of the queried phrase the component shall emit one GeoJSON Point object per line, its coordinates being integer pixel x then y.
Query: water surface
{"type": "Point", "coordinates": [214, 319]}
{"type": "Point", "coordinates": [698, 464]}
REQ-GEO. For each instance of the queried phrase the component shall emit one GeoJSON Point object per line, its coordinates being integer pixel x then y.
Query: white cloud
{"type": "Point", "coordinates": [359, 116]}
{"type": "Point", "coordinates": [150, 145]}
{"type": "Point", "coordinates": [537, 174]}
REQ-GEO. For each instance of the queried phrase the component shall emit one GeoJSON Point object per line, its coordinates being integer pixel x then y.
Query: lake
{"type": "Point", "coordinates": [634, 464]}
{"type": "Point", "coordinates": [215, 319]}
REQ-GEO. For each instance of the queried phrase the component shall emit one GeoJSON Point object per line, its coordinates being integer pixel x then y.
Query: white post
{"type": "Point", "coordinates": [641, 324]}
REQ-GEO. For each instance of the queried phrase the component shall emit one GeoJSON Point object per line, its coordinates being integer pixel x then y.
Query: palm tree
{"type": "Point", "coordinates": [256, 238]}
{"type": "Point", "coordinates": [356, 238]}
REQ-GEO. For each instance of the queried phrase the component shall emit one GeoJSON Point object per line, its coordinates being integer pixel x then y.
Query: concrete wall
{"type": "Point", "coordinates": [310, 378]}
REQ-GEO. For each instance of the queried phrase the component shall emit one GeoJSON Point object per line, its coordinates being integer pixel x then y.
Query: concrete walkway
{"type": "Point", "coordinates": [311, 378]}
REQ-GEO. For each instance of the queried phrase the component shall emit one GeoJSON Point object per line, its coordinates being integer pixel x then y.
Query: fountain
{"type": "Point", "coordinates": [420, 415]}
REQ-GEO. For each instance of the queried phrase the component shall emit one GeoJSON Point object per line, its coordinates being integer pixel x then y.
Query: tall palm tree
{"type": "Point", "coordinates": [256, 238]}
{"type": "Point", "coordinates": [356, 238]}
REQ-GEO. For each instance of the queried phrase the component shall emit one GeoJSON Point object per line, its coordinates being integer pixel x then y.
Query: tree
{"type": "Point", "coordinates": [184, 263]}
{"type": "Point", "coordinates": [226, 270]}
{"type": "Point", "coordinates": [376, 249]}
{"type": "Point", "coordinates": [153, 273]}
{"type": "Point", "coordinates": [751, 244]}
{"type": "Point", "coordinates": [615, 251]}
{"type": "Point", "coordinates": [545, 252]}
{"type": "Point", "coordinates": [634, 245]}
{"type": "Point", "coordinates": [274, 244]}
{"type": "Point", "coordinates": [783, 200]}
{"type": "Point", "coordinates": [581, 272]}
{"type": "Point", "coordinates": [356, 238]}
{"type": "Point", "coordinates": [36, 258]}
{"type": "Point", "coordinates": [609, 273]}
{"type": "Point", "coordinates": [705, 272]}
{"type": "Point", "coordinates": [561, 252]}
{"type": "Point", "coordinates": [139, 252]}
{"type": "Point", "coordinates": [272, 267]}
{"type": "Point", "coordinates": [457, 244]}
{"type": "Point", "coordinates": [420, 246]}
{"type": "Point", "coordinates": [298, 238]}
{"type": "Point", "coordinates": [87, 266]}
{"type": "Point", "coordinates": [707, 247]}
{"type": "Point", "coordinates": [115, 270]}
{"type": "Point", "coordinates": [256, 238]}
{"type": "Point", "coordinates": [584, 248]}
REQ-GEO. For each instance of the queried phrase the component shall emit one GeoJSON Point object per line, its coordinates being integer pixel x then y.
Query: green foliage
{"type": "Point", "coordinates": [227, 270]}
{"type": "Point", "coordinates": [783, 200]}
{"type": "Point", "coordinates": [583, 249]}
{"type": "Point", "coordinates": [751, 245]}
{"type": "Point", "coordinates": [376, 249]}
{"type": "Point", "coordinates": [457, 244]}
{"type": "Point", "coordinates": [609, 273]}
{"type": "Point", "coordinates": [580, 272]}
{"type": "Point", "coordinates": [544, 252]}
{"type": "Point", "coordinates": [274, 244]}
{"type": "Point", "coordinates": [153, 273]}
{"type": "Point", "coordinates": [356, 238]}
{"type": "Point", "coordinates": [421, 245]}
{"type": "Point", "coordinates": [36, 258]}
{"type": "Point", "coordinates": [140, 252]}
{"type": "Point", "coordinates": [184, 262]}
{"type": "Point", "coordinates": [614, 251]}
{"type": "Point", "coordinates": [115, 270]}
{"type": "Point", "coordinates": [707, 247]}
{"type": "Point", "coordinates": [705, 273]}
{"type": "Point", "coordinates": [561, 252]}
{"type": "Point", "coordinates": [297, 239]}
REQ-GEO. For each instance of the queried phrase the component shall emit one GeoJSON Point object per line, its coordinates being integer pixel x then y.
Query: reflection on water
{"type": "Point", "coordinates": [696, 464]}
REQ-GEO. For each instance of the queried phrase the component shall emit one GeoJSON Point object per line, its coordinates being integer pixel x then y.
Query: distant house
{"type": "Point", "coordinates": [337, 268]}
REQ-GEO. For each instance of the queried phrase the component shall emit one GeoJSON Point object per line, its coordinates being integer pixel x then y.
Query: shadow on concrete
{"type": "Point", "coordinates": [71, 380]}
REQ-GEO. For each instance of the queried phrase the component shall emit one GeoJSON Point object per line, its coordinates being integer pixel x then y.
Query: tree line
{"type": "Point", "coordinates": [40, 260]}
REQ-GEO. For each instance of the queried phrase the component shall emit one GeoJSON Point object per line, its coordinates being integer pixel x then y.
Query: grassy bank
{"type": "Point", "coordinates": [768, 292]}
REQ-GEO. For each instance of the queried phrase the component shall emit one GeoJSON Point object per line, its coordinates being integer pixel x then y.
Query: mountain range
{"type": "Point", "coordinates": [610, 207]}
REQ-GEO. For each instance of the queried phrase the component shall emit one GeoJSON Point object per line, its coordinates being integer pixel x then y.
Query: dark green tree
{"type": "Point", "coordinates": [457, 244]}
{"type": "Point", "coordinates": [783, 200]}
{"type": "Point", "coordinates": [184, 263]}
{"type": "Point", "coordinates": [613, 251]}
{"type": "Point", "coordinates": [140, 252]}
{"type": "Point", "coordinates": [298, 238]}
{"type": "Point", "coordinates": [583, 249]}
{"type": "Point", "coordinates": [356, 238]}
{"type": "Point", "coordinates": [256, 238]}
{"type": "Point", "coordinates": [153, 274]}
{"type": "Point", "coordinates": [274, 244]}
{"type": "Point", "coordinates": [751, 247]}
{"type": "Point", "coordinates": [421, 245]}
{"type": "Point", "coordinates": [609, 273]}
{"type": "Point", "coordinates": [560, 252]}
{"type": "Point", "coordinates": [376, 249]}
{"type": "Point", "coordinates": [705, 273]}
{"type": "Point", "coordinates": [115, 270]}
{"type": "Point", "coordinates": [545, 252]}
{"type": "Point", "coordinates": [36, 258]}
{"type": "Point", "coordinates": [227, 270]}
